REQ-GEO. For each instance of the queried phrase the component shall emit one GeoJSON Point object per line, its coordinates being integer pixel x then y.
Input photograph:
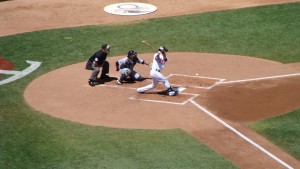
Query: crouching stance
{"type": "Point", "coordinates": [159, 60]}
{"type": "Point", "coordinates": [125, 67]}
{"type": "Point", "coordinates": [97, 61]}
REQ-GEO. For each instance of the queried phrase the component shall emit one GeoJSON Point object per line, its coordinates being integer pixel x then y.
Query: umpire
{"type": "Point", "coordinates": [96, 61]}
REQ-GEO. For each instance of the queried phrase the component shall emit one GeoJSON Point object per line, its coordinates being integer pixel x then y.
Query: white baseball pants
{"type": "Point", "coordinates": [156, 78]}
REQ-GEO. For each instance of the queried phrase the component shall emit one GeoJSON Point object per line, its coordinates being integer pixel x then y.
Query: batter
{"type": "Point", "coordinates": [158, 64]}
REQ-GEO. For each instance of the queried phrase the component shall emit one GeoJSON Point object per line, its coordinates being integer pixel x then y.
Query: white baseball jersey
{"type": "Point", "coordinates": [158, 63]}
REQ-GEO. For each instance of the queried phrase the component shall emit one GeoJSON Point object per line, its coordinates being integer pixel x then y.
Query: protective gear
{"type": "Point", "coordinates": [127, 72]}
{"type": "Point", "coordinates": [131, 53]}
{"type": "Point", "coordinates": [163, 49]}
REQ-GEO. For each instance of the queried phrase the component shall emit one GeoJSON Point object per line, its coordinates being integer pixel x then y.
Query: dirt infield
{"type": "Point", "coordinates": [236, 102]}
{"type": "Point", "coordinates": [218, 89]}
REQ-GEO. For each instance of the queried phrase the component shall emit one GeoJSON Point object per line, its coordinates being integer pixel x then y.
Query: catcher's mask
{"type": "Point", "coordinates": [131, 53]}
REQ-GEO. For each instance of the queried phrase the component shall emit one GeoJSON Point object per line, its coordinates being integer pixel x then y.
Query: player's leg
{"type": "Point", "coordinates": [148, 87]}
{"type": "Point", "coordinates": [124, 73]}
{"type": "Point", "coordinates": [105, 70]}
{"type": "Point", "coordinates": [136, 76]}
{"type": "Point", "coordinates": [167, 85]}
{"type": "Point", "coordinates": [94, 75]}
{"type": "Point", "coordinates": [153, 85]}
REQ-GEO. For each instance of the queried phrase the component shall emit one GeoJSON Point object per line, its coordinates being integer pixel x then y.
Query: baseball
{"type": "Point", "coordinates": [197, 74]}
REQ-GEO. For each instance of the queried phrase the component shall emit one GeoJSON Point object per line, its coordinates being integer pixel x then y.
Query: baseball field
{"type": "Point", "coordinates": [239, 63]}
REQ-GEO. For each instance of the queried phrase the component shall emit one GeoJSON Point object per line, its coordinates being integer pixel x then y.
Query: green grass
{"type": "Point", "coordinates": [29, 139]}
{"type": "Point", "coordinates": [283, 131]}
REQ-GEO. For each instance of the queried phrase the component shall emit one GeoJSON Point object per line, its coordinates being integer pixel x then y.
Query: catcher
{"type": "Point", "coordinates": [125, 67]}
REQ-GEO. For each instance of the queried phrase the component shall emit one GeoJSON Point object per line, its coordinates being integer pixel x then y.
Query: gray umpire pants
{"type": "Point", "coordinates": [96, 70]}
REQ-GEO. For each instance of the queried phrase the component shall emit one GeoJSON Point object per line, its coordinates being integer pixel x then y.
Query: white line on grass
{"type": "Point", "coordinates": [241, 135]}
{"type": "Point", "coordinates": [19, 74]}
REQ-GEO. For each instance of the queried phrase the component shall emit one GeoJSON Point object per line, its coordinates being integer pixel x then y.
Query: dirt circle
{"type": "Point", "coordinates": [64, 93]}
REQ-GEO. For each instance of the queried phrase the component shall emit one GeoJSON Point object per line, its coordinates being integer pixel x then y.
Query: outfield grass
{"type": "Point", "coordinates": [29, 139]}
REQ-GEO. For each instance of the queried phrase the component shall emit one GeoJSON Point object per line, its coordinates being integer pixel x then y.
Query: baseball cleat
{"type": "Point", "coordinates": [172, 92]}
{"type": "Point", "coordinates": [119, 82]}
{"type": "Point", "coordinates": [91, 83]}
{"type": "Point", "coordinates": [139, 91]}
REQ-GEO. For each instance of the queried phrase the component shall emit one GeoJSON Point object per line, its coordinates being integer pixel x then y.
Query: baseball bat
{"type": "Point", "coordinates": [146, 43]}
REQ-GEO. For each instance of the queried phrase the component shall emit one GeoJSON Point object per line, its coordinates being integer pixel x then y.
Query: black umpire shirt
{"type": "Point", "coordinates": [98, 57]}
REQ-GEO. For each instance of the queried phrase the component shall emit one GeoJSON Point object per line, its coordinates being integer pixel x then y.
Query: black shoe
{"type": "Point", "coordinates": [171, 92]}
{"type": "Point", "coordinates": [104, 77]}
{"type": "Point", "coordinates": [170, 89]}
{"type": "Point", "coordinates": [91, 83]}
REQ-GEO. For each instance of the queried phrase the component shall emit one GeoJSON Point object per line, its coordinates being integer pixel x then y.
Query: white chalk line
{"type": "Point", "coordinates": [241, 135]}
{"type": "Point", "coordinates": [19, 74]}
{"type": "Point", "coordinates": [167, 102]}
{"type": "Point", "coordinates": [156, 101]}
{"type": "Point", "coordinates": [9, 72]}
{"type": "Point", "coordinates": [260, 78]}
{"type": "Point", "coordinates": [197, 76]}
{"type": "Point", "coordinates": [218, 80]}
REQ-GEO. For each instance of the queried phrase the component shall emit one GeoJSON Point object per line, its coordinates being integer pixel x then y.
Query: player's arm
{"type": "Point", "coordinates": [96, 64]}
{"type": "Point", "coordinates": [141, 61]}
{"type": "Point", "coordinates": [165, 56]}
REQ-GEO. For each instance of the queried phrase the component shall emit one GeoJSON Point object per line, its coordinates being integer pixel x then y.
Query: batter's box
{"type": "Point", "coordinates": [180, 99]}
{"type": "Point", "coordinates": [193, 81]}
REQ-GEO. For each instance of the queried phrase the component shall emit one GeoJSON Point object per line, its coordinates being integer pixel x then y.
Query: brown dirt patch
{"type": "Point", "coordinates": [27, 16]}
{"type": "Point", "coordinates": [252, 101]}
{"type": "Point", "coordinates": [72, 99]}
{"type": "Point", "coordinates": [5, 64]}
{"type": "Point", "coordinates": [192, 81]}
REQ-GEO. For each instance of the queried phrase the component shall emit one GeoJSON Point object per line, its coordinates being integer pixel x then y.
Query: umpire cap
{"type": "Point", "coordinates": [106, 47]}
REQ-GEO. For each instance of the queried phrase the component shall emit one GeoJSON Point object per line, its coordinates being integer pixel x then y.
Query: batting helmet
{"type": "Point", "coordinates": [163, 49]}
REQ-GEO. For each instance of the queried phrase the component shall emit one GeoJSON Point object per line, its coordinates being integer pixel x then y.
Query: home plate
{"type": "Point", "coordinates": [155, 96]}
{"type": "Point", "coordinates": [179, 89]}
